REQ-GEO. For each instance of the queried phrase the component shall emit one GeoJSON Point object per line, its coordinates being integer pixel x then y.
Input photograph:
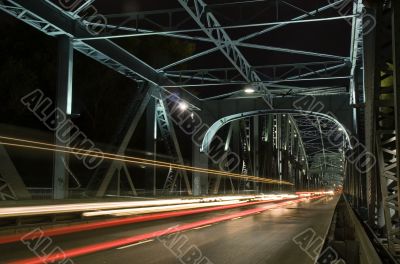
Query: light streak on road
{"type": "Point", "coordinates": [85, 207]}
{"type": "Point", "coordinates": [157, 209]}
{"type": "Point", "coordinates": [71, 253]}
{"type": "Point", "coordinates": [57, 231]}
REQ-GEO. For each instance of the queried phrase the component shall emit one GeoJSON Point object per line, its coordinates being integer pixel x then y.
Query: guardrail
{"type": "Point", "coordinates": [348, 237]}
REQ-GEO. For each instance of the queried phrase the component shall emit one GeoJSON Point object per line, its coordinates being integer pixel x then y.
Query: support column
{"type": "Point", "coordinates": [279, 147]}
{"type": "Point", "coordinates": [285, 150]}
{"type": "Point", "coordinates": [370, 86]}
{"type": "Point", "coordinates": [151, 144]}
{"type": "Point", "coordinates": [64, 103]}
{"type": "Point", "coordinates": [235, 148]}
{"type": "Point", "coordinates": [199, 180]}
{"type": "Point", "coordinates": [270, 151]}
{"type": "Point", "coordinates": [256, 150]}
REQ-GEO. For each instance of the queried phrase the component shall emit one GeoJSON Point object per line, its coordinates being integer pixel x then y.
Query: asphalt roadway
{"type": "Point", "coordinates": [266, 237]}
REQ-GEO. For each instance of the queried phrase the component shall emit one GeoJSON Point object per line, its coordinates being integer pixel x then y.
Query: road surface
{"type": "Point", "coordinates": [265, 237]}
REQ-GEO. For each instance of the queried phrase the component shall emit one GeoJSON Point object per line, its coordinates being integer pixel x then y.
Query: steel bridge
{"type": "Point", "coordinates": [267, 109]}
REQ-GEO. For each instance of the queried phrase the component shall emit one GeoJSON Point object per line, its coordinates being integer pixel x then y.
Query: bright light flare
{"type": "Point", "coordinates": [249, 90]}
{"type": "Point", "coordinates": [183, 106]}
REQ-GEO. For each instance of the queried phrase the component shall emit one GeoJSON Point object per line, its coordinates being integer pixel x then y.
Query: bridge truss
{"type": "Point", "coordinates": [231, 55]}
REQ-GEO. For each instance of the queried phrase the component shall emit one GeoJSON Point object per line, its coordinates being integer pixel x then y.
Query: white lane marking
{"type": "Point", "coordinates": [236, 218]}
{"type": "Point", "coordinates": [138, 243]}
{"type": "Point", "coordinates": [201, 227]}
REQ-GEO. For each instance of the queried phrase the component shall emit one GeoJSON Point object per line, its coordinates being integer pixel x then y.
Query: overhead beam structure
{"type": "Point", "coordinates": [53, 21]}
{"type": "Point", "coordinates": [269, 81]}
{"type": "Point", "coordinates": [197, 9]}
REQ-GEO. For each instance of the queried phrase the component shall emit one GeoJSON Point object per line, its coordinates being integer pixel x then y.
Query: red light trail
{"type": "Point", "coordinates": [71, 253]}
{"type": "Point", "coordinates": [111, 223]}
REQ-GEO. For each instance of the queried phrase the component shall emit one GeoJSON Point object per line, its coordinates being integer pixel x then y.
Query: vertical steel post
{"type": "Point", "coordinates": [256, 150]}
{"type": "Point", "coordinates": [199, 180]}
{"type": "Point", "coordinates": [151, 142]}
{"type": "Point", "coordinates": [279, 146]}
{"type": "Point", "coordinates": [64, 103]}
{"type": "Point", "coordinates": [154, 137]}
{"type": "Point", "coordinates": [370, 76]}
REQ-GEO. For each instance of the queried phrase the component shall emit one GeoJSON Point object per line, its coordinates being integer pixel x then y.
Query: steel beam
{"type": "Point", "coordinates": [256, 149]}
{"type": "Point", "coordinates": [296, 66]}
{"type": "Point", "coordinates": [197, 9]}
{"type": "Point", "coordinates": [182, 85]}
{"type": "Point", "coordinates": [387, 123]}
{"type": "Point", "coordinates": [370, 58]}
{"type": "Point", "coordinates": [308, 14]}
{"type": "Point", "coordinates": [64, 103]}
{"type": "Point", "coordinates": [199, 180]}
{"type": "Point", "coordinates": [323, 146]}
{"type": "Point", "coordinates": [54, 21]}
{"type": "Point", "coordinates": [271, 74]}
{"type": "Point", "coordinates": [167, 132]}
{"type": "Point", "coordinates": [396, 85]}
{"type": "Point", "coordinates": [279, 138]}
{"type": "Point", "coordinates": [151, 145]}
{"type": "Point", "coordinates": [192, 57]}
{"type": "Point", "coordinates": [141, 103]}
{"type": "Point", "coordinates": [174, 31]}
{"type": "Point", "coordinates": [12, 186]}
{"type": "Point", "coordinates": [223, 121]}
{"type": "Point", "coordinates": [356, 46]}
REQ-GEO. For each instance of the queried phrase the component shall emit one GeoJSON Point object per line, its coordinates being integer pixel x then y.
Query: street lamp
{"type": "Point", "coordinates": [249, 90]}
{"type": "Point", "coordinates": [183, 106]}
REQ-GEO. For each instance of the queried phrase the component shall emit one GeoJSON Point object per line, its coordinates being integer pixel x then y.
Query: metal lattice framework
{"type": "Point", "coordinates": [233, 52]}
{"type": "Point", "coordinates": [372, 181]}
{"type": "Point", "coordinates": [234, 42]}
{"type": "Point", "coordinates": [265, 78]}
{"type": "Point", "coordinates": [324, 142]}
{"type": "Point", "coordinates": [6, 191]}
{"type": "Point", "coordinates": [167, 132]}
{"type": "Point", "coordinates": [387, 129]}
